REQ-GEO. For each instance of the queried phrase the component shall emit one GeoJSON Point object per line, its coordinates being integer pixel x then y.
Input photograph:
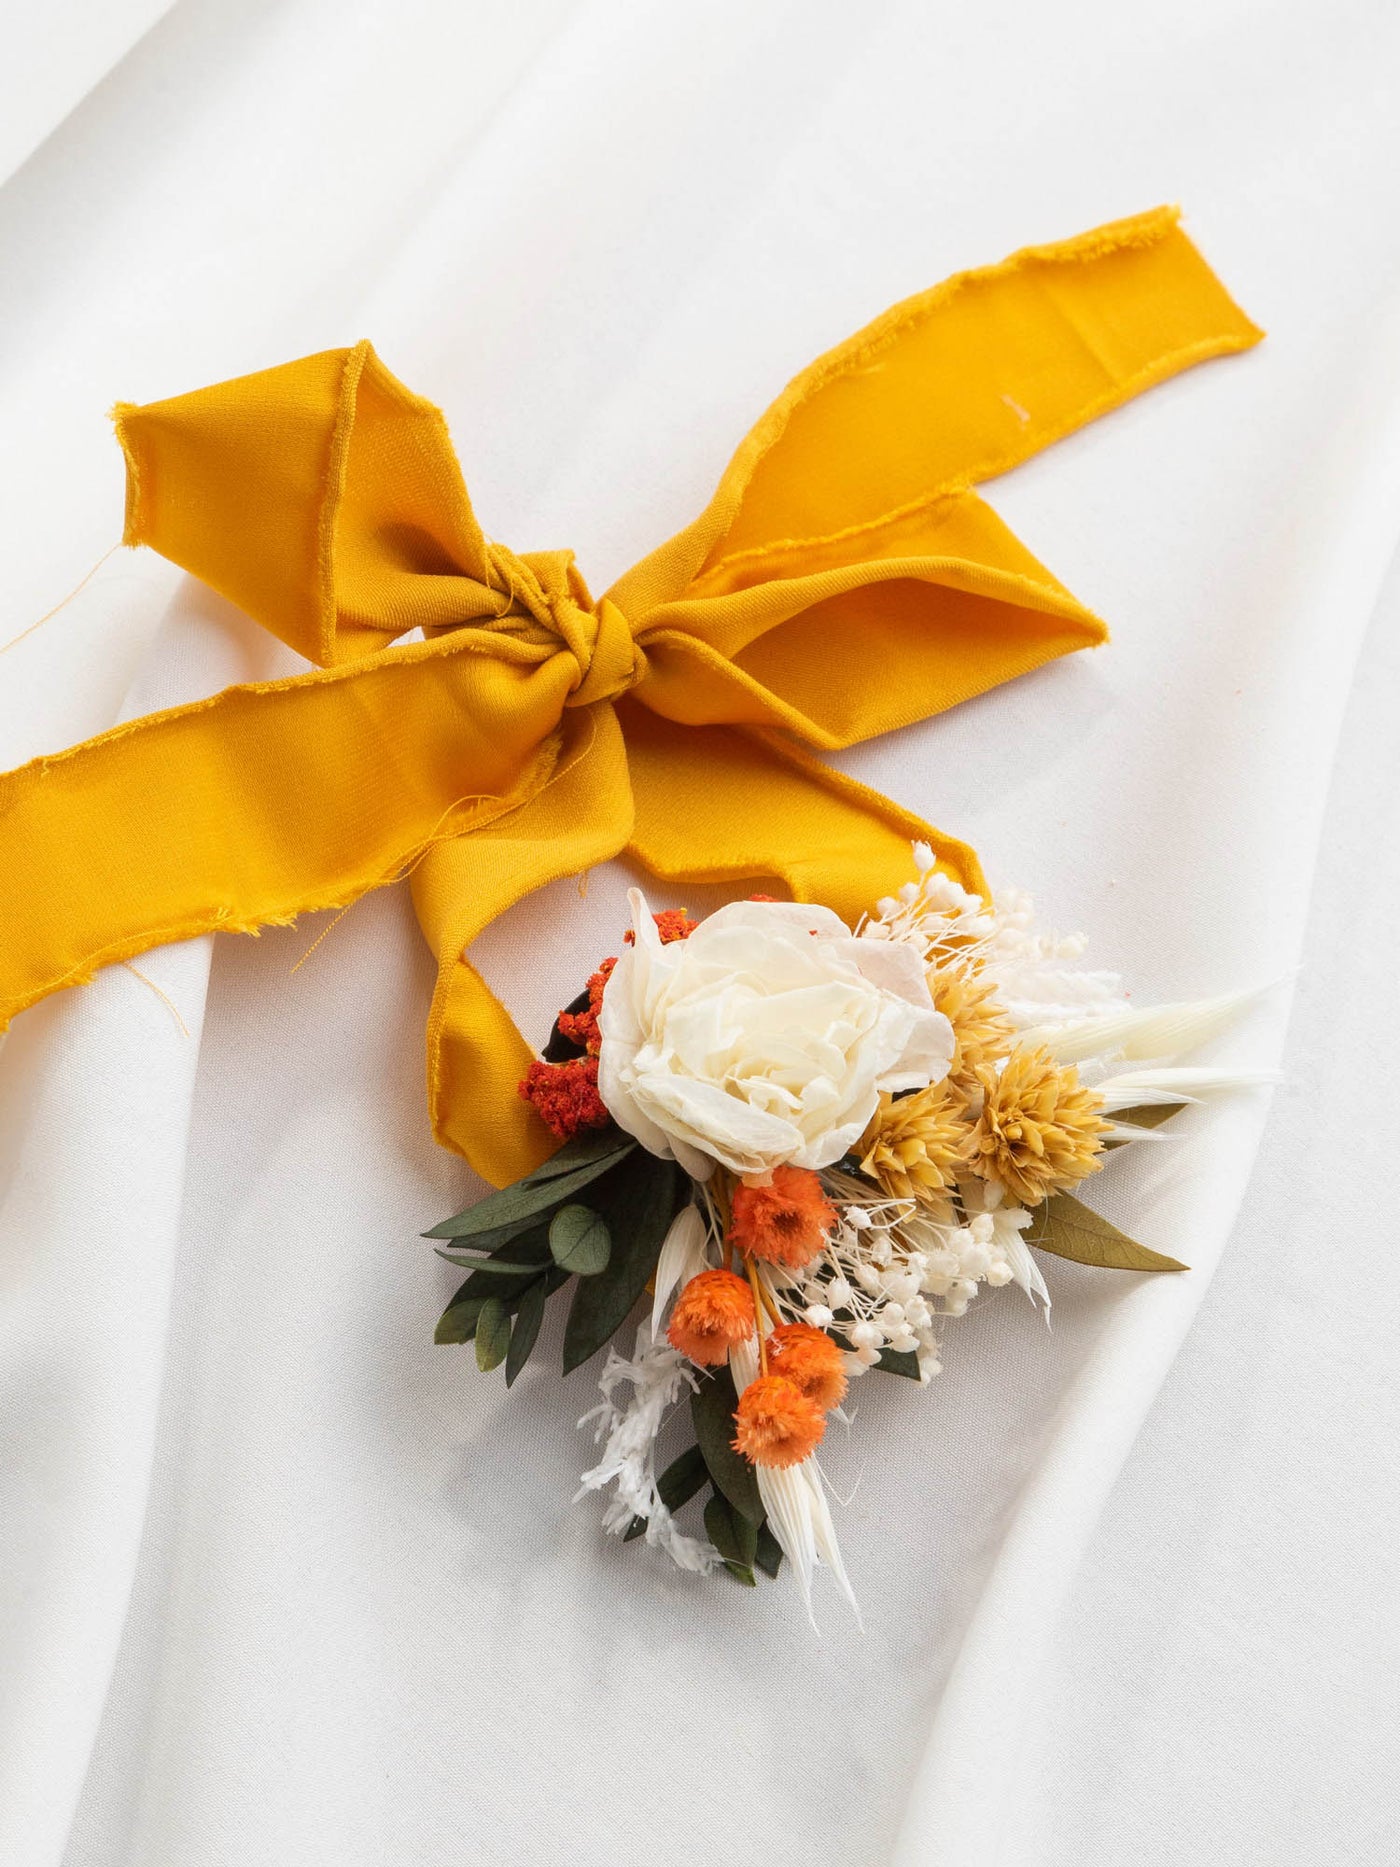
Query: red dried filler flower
{"type": "Point", "coordinates": [566, 1096]}
{"type": "Point", "coordinates": [775, 1423]}
{"type": "Point", "coordinates": [712, 1315]}
{"type": "Point", "coordinates": [811, 1361]}
{"type": "Point", "coordinates": [671, 924]}
{"type": "Point", "coordinates": [786, 1222]}
{"type": "Point", "coordinates": [581, 1027]}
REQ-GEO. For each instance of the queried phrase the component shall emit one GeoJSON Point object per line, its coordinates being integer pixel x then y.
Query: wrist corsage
{"type": "Point", "coordinates": [813, 1146]}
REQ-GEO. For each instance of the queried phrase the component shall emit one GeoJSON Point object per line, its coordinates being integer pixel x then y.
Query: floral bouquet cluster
{"type": "Point", "coordinates": [813, 1146]}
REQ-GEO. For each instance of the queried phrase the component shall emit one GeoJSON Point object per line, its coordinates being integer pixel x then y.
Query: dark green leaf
{"type": "Point", "coordinates": [457, 1322]}
{"type": "Point", "coordinates": [492, 1334]}
{"type": "Point", "coordinates": [580, 1241]}
{"type": "Point", "coordinates": [492, 1267]}
{"type": "Point", "coordinates": [903, 1361]}
{"type": "Point", "coordinates": [527, 1327]}
{"type": "Point", "coordinates": [769, 1552]}
{"type": "Point", "coordinates": [742, 1573]}
{"type": "Point", "coordinates": [608, 1143]}
{"type": "Point", "coordinates": [503, 1235]}
{"type": "Point", "coordinates": [1074, 1230]}
{"type": "Point", "coordinates": [712, 1409]}
{"type": "Point", "coordinates": [530, 1198]}
{"type": "Point", "coordinates": [732, 1534]}
{"type": "Point", "coordinates": [682, 1478]}
{"type": "Point", "coordinates": [637, 1202]}
{"type": "Point", "coordinates": [636, 1528]}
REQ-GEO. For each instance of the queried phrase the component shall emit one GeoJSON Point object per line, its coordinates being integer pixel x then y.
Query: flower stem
{"type": "Point", "coordinates": [759, 1305]}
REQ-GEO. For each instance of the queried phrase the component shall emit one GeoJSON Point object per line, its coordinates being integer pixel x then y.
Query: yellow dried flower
{"type": "Point", "coordinates": [915, 1144]}
{"type": "Point", "coordinates": [982, 1032]}
{"type": "Point", "coordinates": [1040, 1129]}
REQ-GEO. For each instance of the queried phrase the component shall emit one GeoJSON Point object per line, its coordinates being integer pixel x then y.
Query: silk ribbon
{"type": "Point", "coordinates": [846, 579]}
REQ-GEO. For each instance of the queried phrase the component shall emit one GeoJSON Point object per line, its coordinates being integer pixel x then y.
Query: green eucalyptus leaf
{"type": "Point", "coordinates": [712, 1411]}
{"type": "Point", "coordinates": [768, 1552]}
{"type": "Point", "coordinates": [742, 1573]}
{"type": "Point", "coordinates": [1073, 1230]}
{"type": "Point", "coordinates": [527, 1199]}
{"type": "Point", "coordinates": [528, 1318]}
{"type": "Point", "coordinates": [637, 1201]}
{"type": "Point", "coordinates": [492, 1334]}
{"type": "Point", "coordinates": [682, 1478]}
{"type": "Point", "coordinates": [579, 1240]}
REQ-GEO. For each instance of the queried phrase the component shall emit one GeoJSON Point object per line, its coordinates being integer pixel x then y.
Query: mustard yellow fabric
{"type": "Point", "coordinates": [844, 580]}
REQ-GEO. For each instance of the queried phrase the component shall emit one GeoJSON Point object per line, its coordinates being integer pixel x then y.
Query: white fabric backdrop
{"type": "Point", "coordinates": [286, 1583]}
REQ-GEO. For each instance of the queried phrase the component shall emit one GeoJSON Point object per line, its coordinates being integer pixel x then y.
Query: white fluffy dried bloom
{"type": "Point", "coordinates": [658, 1376]}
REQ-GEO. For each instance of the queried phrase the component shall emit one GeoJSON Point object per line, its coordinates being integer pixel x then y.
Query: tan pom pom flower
{"type": "Point", "coordinates": [982, 1032]}
{"type": "Point", "coordinates": [776, 1424]}
{"type": "Point", "coordinates": [916, 1143]}
{"type": "Point", "coordinates": [713, 1314]}
{"type": "Point", "coordinates": [1040, 1129]}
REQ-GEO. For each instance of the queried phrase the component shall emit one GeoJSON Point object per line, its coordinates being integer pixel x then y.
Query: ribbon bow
{"type": "Point", "coordinates": [845, 579]}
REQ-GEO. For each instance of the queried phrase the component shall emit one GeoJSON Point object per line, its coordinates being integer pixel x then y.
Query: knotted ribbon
{"type": "Point", "coordinates": [845, 579]}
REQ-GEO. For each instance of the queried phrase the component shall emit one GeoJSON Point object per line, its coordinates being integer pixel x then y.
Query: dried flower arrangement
{"type": "Point", "coordinates": [813, 1146]}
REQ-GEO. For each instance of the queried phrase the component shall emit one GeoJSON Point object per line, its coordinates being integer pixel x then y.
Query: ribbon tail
{"type": "Point", "coordinates": [727, 804]}
{"type": "Point", "coordinates": [257, 805]}
{"type": "Point", "coordinates": [580, 815]}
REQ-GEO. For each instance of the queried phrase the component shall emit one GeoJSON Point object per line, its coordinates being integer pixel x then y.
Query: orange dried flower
{"type": "Point", "coordinates": [776, 1424]}
{"type": "Point", "coordinates": [786, 1222]}
{"type": "Point", "coordinates": [811, 1361]}
{"type": "Point", "coordinates": [713, 1314]}
{"type": "Point", "coordinates": [565, 1095]}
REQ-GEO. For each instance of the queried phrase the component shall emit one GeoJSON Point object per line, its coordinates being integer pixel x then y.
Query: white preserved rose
{"type": "Point", "coordinates": [765, 1038]}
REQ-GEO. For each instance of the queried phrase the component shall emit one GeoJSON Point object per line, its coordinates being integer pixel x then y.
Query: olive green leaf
{"type": "Point", "coordinates": [1149, 1114]}
{"type": "Point", "coordinates": [712, 1410]}
{"type": "Point", "coordinates": [637, 1202]}
{"type": "Point", "coordinates": [580, 1241]}
{"type": "Point", "coordinates": [527, 1327]}
{"type": "Point", "coordinates": [457, 1322]}
{"type": "Point", "coordinates": [733, 1536]}
{"type": "Point", "coordinates": [769, 1552]}
{"type": "Point", "coordinates": [528, 1198]}
{"type": "Point", "coordinates": [1074, 1230]}
{"type": "Point", "coordinates": [492, 1334]}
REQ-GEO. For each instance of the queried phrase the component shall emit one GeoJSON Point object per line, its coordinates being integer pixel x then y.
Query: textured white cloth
{"type": "Point", "coordinates": [285, 1583]}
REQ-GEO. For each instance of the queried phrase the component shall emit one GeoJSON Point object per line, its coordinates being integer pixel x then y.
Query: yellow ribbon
{"type": "Point", "coordinates": [845, 579]}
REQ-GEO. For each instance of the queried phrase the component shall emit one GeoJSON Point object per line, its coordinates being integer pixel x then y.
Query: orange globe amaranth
{"type": "Point", "coordinates": [775, 1423]}
{"type": "Point", "coordinates": [809, 1358]}
{"type": "Point", "coordinates": [713, 1314]}
{"type": "Point", "coordinates": [786, 1222]}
